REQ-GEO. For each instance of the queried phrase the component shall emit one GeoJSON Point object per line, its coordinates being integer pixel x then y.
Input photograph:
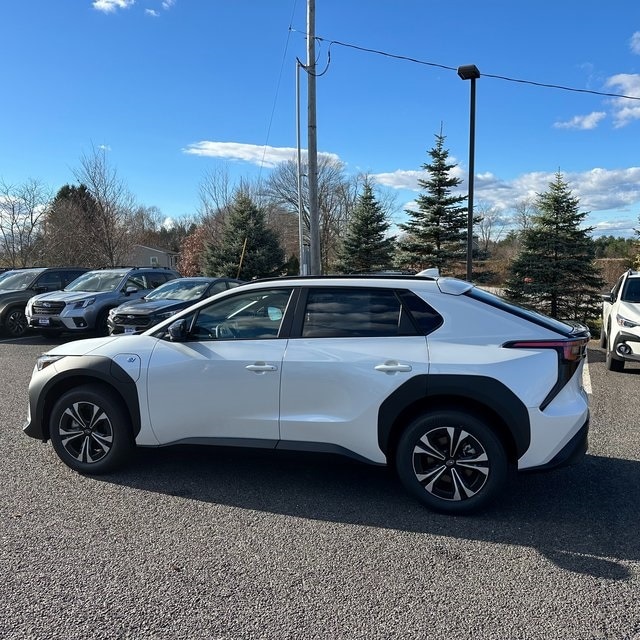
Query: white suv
{"type": "Point", "coordinates": [451, 385]}
{"type": "Point", "coordinates": [620, 333]}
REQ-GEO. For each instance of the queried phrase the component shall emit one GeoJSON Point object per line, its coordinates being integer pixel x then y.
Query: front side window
{"type": "Point", "coordinates": [343, 312]}
{"type": "Point", "coordinates": [254, 315]}
{"type": "Point", "coordinates": [49, 280]}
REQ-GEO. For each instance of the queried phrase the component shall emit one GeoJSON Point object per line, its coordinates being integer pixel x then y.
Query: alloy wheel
{"type": "Point", "coordinates": [450, 463]}
{"type": "Point", "coordinates": [86, 433]}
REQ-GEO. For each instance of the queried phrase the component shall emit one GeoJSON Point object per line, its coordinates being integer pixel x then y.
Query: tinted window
{"type": "Point", "coordinates": [217, 287]}
{"type": "Point", "coordinates": [343, 312]}
{"type": "Point", "coordinates": [426, 317]}
{"type": "Point", "coordinates": [49, 280]}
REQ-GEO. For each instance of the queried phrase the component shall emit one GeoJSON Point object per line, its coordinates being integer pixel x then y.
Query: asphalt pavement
{"type": "Point", "coordinates": [218, 544]}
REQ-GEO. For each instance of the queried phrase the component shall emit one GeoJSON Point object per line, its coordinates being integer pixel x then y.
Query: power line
{"type": "Point", "coordinates": [484, 75]}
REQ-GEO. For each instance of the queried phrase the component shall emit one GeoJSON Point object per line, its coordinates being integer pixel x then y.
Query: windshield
{"type": "Point", "coordinates": [19, 280]}
{"type": "Point", "coordinates": [178, 290]}
{"type": "Point", "coordinates": [631, 292]}
{"type": "Point", "coordinates": [96, 281]}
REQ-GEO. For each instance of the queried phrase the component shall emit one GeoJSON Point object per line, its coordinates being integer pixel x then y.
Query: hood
{"type": "Point", "coordinates": [69, 296]}
{"type": "Point", "coordinates": [630, 310]}
{"type": "Point", "coordinates": [81, 347]}
{"type": "Point", "coordinates": [148, 307]}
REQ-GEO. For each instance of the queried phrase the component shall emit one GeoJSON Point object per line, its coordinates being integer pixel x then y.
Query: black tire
{"type": "Point", "coordinates": [451, 461]}
{"type": "Point", "coordinates": [102, 324]}
{"type": "Point", "coordinates": [612, 363]}
{"type": "Point", "coordinates": [90, 430]}
{"type": "Point", "coordinates": [15, 322]}
{"type": "Point", "coordinates": [603, 339]}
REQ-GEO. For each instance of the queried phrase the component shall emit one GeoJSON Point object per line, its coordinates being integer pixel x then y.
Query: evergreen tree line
{"type": "Point", "coordinates": [251, 231]}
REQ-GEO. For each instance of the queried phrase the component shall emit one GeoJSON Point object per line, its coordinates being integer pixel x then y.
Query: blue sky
{"type": "Point", "coordinates": [174, 89]}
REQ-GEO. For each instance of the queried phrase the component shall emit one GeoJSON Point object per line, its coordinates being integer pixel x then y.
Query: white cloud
{"type": "Point", "coordinates": [167, 4]}
{"type": "Point", "coordinates": [109, 6]}
{"type": "Point", "coordinates": [151, 12]}
{"type": "Point", "coordinates": [265, 155]}
{"type": "Point", "coordinates": [589, 121]}
{"type": "Point", "coordinates": [635, 42]}
{"type": "Point", "coordinates": [625, 110]}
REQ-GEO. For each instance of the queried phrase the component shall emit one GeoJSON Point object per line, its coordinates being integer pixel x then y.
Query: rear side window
{"type": "Point", "coordinates": [343, 312]}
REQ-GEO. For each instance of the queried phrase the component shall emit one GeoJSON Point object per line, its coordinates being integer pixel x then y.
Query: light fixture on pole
{"type": "Point", "coordinates": [470, 72]}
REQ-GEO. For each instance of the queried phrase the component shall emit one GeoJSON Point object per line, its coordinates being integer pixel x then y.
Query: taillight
{"type": "Point", "coordinates": [570, 352]}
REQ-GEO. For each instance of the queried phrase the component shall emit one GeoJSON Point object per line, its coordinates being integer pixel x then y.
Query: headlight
{"type": "Point", "coordinates": [625, 322]}
{"type": "Point", "coordinates": [83, 304]}
{"type": "Point", "coordinates": [45, 360]}
{"type": "Point", "coordinates": [165, 315]}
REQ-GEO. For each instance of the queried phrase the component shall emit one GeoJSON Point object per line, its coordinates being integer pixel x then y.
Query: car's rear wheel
{"type": "Point", "coordinates": [90, 430]}
{"type": "Point", "coordinates": [451, 461]}
{"type": "Point", "coordinates": [15, 322]}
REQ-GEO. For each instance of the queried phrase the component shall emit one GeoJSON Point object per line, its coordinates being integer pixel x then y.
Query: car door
{"type": "Point", "coordinates": [356, 346]}
{"type": "Point", "coordinates": [222, 380]}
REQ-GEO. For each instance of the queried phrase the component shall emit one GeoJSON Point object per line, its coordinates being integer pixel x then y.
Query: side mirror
{"type": "Point", "coordinates": [606, 297]}
{"type": "Point", "coordinates": [129, 290]}
{"type": "Point", "coordinates": [178, 330]}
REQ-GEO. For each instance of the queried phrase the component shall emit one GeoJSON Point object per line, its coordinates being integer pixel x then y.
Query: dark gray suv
{"type": "Point", "coordinates": [17, 286]}
{"type": "Point", "coordinates": [83, 306]}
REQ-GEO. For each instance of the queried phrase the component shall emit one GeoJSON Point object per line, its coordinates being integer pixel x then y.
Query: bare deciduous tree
{"type": "Point", "coordinates": [22, 208]}
{"type": "Point", "coordinates": [115, 207]}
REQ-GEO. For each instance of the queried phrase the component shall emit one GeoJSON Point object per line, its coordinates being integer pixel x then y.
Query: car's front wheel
{"type": "Point", "coordinates": [451, 461]}
{"type": "Point", "coordinates": [15, 322]}
{"type": "Point", "coordinates": [613, 363]}
{"type": "Point", "coordinates": [90, 430]}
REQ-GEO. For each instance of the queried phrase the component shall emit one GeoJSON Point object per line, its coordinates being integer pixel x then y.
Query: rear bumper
{"type": "Point", "coordinates": [572, 453]}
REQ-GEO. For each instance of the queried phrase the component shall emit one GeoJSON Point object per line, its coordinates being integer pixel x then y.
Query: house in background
{"type": "Point", "coordinates": [142, 256]}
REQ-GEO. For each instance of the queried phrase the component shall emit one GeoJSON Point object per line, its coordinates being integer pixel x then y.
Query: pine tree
{"type": "Point", "coordinates": [366, 246]}
{"type": "Point", "coordinates": [436, 233]}
{"type": "Point", "coordinates": [249, 249]}
{"type": "Point", "coordinates": [555, 272]}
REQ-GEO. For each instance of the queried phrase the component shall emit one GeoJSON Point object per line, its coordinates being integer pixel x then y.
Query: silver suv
{"type": "Point", "coordinates": [83, 305]}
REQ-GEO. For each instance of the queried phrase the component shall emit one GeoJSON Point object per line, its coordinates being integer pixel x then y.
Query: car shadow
{"type": "Point", "coordinates": [582, 518]}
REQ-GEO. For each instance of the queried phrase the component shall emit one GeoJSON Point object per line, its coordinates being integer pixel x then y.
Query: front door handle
{"type": "Point", "coordinates": [392, 367]}
{"type": "Point", "coordinates": [261, 367]}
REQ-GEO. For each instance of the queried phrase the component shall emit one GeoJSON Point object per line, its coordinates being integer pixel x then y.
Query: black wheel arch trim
{"type": "Point", "coordinates": [455, 391]}
{"type": "Point", "coordinates": [75, 371]}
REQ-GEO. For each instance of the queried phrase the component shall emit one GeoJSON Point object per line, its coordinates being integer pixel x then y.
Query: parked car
{"type": "Point", "coordinates": [451, 385]}
{"type": "Point", "coordinates": [620, 333]}
{"type": "Point", "coordinates": [137, 316]}
{"type": "Point", "coordinates": [18, 285]}
{"type": "Point", "coordinates": [84, 304]}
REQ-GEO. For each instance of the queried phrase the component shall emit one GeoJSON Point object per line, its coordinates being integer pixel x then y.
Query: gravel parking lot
{"type": "Point", "coordinates": [227, 544]}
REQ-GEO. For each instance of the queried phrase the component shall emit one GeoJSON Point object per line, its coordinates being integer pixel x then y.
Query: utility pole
{"type": "Point", "coordinates": [312, 143]}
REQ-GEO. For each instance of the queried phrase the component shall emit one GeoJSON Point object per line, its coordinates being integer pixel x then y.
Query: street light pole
{"type": "Point", "coordinates": [470, 72]}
